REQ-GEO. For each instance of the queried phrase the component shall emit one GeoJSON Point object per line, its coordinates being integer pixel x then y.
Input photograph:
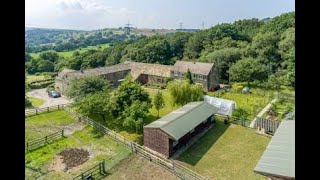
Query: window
{"type": "Point", "coordinates": [200, 77]}
{"type": "Point", "coordinates": [182, 74]}
{"type": "Point", "coordinates": [194, 76]}
{"type": "Point", "coordinates": [159, 80]}
{"type": "Point", "coordinates": [176, 73]}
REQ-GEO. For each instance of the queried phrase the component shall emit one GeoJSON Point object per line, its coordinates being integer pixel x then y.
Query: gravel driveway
{"type": "Point", "coordinates": [48, 101]}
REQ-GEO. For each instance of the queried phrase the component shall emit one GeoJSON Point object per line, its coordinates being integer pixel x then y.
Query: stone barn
{"type": "Point", "coordinates": [204, 74]}
{"type": "Point", "coordinates": [173, 131]}
{"type": "Point", "coordinates": [147, 73]}
{"type": "Point", "coordinates": [112, 74]}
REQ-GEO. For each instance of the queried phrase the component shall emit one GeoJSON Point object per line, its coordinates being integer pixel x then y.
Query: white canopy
{"type": "Point", "coordinates": [226, 107]}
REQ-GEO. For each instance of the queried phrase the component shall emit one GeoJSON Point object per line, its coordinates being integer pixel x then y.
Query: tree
{"type": "Point", "coordinates": [189, 76]}
{"type": "Point", "coordinates": [45, 66]}
{"type": "Point", "coordinates": [135, 115]}
{"type": "Point", "coordinates": [81, 87]}
{"type": "Point", "coordinates": [242, 114]}
{"type": "Point", "coordinates": [128, 92]}
{"type": "Point", "coordinates": [27, 57]}
{"type": "Point", "coordinates": [195, 45]}
{"type": "Point", "coordinates": [183, 92]}
{"type": "Point", "coordinates": [158, 101]}
{"type": "Point", "coordinates": [97, 103]}
{"type": "Point", "coordinates": [248, 70]}
{"type": "Point", "coordinates": [264, 47]}
{"type": "Point", "coordinates": [50, 56]}
{"type": "Point", "coordinates": [222, 59]}
{"type": "Point", "coordinates": [280, 23]}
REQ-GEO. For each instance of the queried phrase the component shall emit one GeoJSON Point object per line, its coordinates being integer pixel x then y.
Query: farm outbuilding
{"type": "Point", "coordinates": [225, 107]}
{"type": "Point", "coordinates": [278, 160]}
{"type": "Point", "coordinates": [173, 131]}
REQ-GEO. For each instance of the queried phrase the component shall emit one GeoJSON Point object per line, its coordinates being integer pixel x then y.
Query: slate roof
{"type": "Point", "coordinates": [195, 67]}
{"type": "Point", "coordinates": [183, 120]}
{"type": "Point", "coordinates": [149, 69]}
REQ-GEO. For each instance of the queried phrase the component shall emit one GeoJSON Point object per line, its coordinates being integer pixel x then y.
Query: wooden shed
{"type": "Point", "coordinates": [171, 132]}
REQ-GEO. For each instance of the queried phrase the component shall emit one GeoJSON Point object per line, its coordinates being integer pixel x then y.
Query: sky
{"type": "Point", "coordinates": [157, 14]}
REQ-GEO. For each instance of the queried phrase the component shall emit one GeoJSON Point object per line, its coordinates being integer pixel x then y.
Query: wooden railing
{"type": "Point", "coordinates": [174, 167]}
{"type": "Point", "coordinates": [36, 143]}
{"type": "Point", "coordinates": [45, 109]}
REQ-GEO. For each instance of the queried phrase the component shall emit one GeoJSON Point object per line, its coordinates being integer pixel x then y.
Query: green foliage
{"type": "Point", "coordinates": [183, 92]}
{"type": "Point", "coordinates": [247, 70]}
{"type": "Point", "coordinates": [280, 23]}
{"type": "Point", "coordinates": [82, 87]}
{"type": "Point", "coordinates": [97, 103]}
{"type": "Point", "coordinates": [39, 85]}
{"type": "Point", "coordinates": [27, 102]}
{"type": "Point", "coordinates": [27, 57]}
{"type": "Point", "coordinates": [135, 115]}
{"type": "Point", "coordinates": [49, 56]}
{"type": "Point", "coordinates": [189, 77]}
{"type": "Point", "coordinates": [128, 92]}
{"type": "Point", "coordinates": [195, 45]}
{"type": "Point", "coordinates": [223, 59]}
{"type": "Point", "coordinates": [158, 101]}
{"type": "Point", "coordinates": [45, 66]}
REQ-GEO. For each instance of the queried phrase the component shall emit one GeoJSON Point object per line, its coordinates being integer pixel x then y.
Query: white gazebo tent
{"type": "Point", "coordinates": [226, 107]}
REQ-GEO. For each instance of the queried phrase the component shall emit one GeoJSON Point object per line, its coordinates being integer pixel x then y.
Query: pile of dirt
{"type": "Point", "coordinates": [73, 157]}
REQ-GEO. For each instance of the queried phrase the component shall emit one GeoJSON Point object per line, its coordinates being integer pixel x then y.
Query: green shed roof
{"type": "Point", "coordinates": [279, 157]}
{"type": "Point", "coordinates": [183, 120]}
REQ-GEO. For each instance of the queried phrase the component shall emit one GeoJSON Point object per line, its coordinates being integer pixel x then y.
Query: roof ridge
{"type": "Point", "coordinates": [183, 113]}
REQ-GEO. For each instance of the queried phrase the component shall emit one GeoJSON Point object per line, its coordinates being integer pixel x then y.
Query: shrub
{"type": "Point", "coordinates": [40, 85]}
{"type": "Point", "coordinates": [27, 102]}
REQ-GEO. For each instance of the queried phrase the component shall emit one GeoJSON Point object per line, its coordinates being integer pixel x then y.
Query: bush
{"type": "Point", "coordinates": [50, 88]}
{"type": "Point", "coordinates": [40, 85]}
{"type": "Point", "coordinates": [238, 87]}
{"type": "Point", "coordinates": [27, 102]}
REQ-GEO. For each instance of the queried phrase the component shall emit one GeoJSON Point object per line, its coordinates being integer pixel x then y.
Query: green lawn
{"type": "Point", "coordinates": [40, 161]}
{"type": "Point", "coordinates": [69, 53]}
{"type": "Point", "coordinates": [226, 152]}
{"type": "Point", "coordinates": [46, 123]}
{"type": "Point", "coordinates": [169, 107]}
{"type": "Point", "coordinates": [35, 101]}
{"type": "Point", "coordinates": [253, 103]}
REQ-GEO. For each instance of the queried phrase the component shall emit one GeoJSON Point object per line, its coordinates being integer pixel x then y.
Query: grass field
{"type": "Point", "coordinates": [69, 53]}
{"type": "Point", "coordinates": [35, 102]}
{"type": "Point", "coordinates": [46, 123]}
{"type": "Point", "coordinates": [281, 108]}
{"type": "Point", "coordinates": [45, 163]}
{"type": "Point", "coordinates": [226, 152]}
{"type": "Point", "coordinates": [166, 109]}
{"type": "Point", "coordinates": [136, 167]}
{"type": "Point", "coordinates": [253, 103]}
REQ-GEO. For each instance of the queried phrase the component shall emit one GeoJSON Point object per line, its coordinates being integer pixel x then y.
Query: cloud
{"type": "Point", "coordinates": [80, 14]}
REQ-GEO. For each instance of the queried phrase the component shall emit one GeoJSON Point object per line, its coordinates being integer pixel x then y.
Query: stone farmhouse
{"type": "Point", "coordinates": [170, 133]}
{"type": "Point", "coordinates": [145, 73]}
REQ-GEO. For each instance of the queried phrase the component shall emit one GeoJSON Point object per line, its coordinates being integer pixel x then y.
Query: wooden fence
{"type": "Point", "coordinates": [36, 143]}
{"type": "Point", "coordinates": [270, 126]}
{"type": "Point", "coordinates": [174, 167]}
{"type": "Point", "coordinates": [44, 109]}
{"type": "Point", "coordinates": [96, 172]}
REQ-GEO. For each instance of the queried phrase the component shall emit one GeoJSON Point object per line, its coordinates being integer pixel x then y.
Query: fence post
{"type": "Point", "coordinates": [103, 167]}
{"type": "Point", "coordinates": [36, 111]}
{"type": "Point", "coordinates": [46, 139]}
{"type": "Point", "coordinates": [47, 109]}
{"type": "Point", "coordinates": [62, 132]}
{"type": "Point", "coordinates": [58, 106]}
{"type": "Point", "coordinates": [27, 146]}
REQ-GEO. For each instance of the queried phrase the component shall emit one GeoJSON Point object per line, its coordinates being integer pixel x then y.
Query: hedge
{"type": "Point", "coordinates": [40, 85]}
